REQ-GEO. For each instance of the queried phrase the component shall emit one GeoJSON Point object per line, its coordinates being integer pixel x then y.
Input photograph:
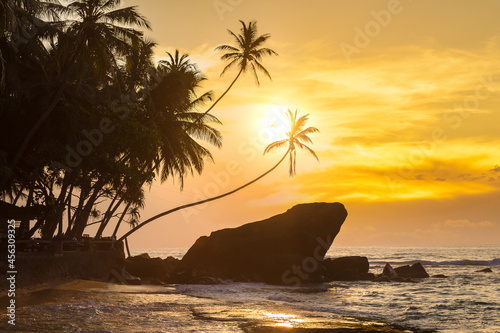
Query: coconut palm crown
{"type": "Point", "coordinates": [247, 53]}
{"type": "Point", "coordinates": [296, 137]}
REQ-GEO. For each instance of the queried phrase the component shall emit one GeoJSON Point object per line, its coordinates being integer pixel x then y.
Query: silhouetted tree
{"type": "Point", "coordinates": [246, 54]}
{"type": "Point", "coordinates": [296, 137]}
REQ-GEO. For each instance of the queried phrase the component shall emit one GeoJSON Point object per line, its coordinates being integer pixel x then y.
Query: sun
{"type": "Point", "coordinates": [274, 124]}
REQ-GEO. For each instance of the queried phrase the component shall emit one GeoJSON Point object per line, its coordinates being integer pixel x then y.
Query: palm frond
{"type": "Point", "coordinates": [226, 48]}
{"type": "Point", "coordinates": [303, 146]}
{"type": "Point", "coordinates": [229, 66]}
{"type": "Point", "coordinates": [275, 145]}
{"type": "Point", "coordinates": [128, 16]}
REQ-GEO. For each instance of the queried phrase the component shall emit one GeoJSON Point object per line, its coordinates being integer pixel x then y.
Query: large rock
{"type": "Point", "coordinates": [160, 271]}
{"type": "Point", "coordinates": [283, 249]}
{"type": "Point", "coordinates": [346, 268]}
{"type": "Point", "coordinates": [389, 271]}
{"type": "Point", "coordinates": [414, 271]}
{"type": "Point", "coordinates": [485, 270]}
{"type": "Point", "coordinates": [147, 268]}
{"type": "Point", "coordinates": [403, 273]}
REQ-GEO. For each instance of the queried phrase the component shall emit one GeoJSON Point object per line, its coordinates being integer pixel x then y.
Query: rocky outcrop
{"type": "Point", "coordinates": [159, 271]}
{"type": "Point", "coordinates": [347, 268]}
{"type": "Point", "coordinates": [389, 271]}
{"type": "Point", "coordinates": [146, 267]}
{"type": "Point", "coordinates": [485, 270]}
{"type": "Point", "coordinates": [285, 247]}
{"type": "Point", "coordinates": [414, 271]}
{"type": "Point", "coordinates": [402, 274]}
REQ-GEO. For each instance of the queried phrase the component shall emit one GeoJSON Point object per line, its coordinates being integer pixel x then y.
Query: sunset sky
{"type": "Point", "coordinates": [406, 95]}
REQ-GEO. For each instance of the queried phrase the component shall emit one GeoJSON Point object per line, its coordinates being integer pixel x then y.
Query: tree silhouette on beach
{"type": "Point", "coordinates": [296, 138]}
{"type": "Point", "coordinates": [247, 54]}
{"type": "Point", "coordinates": [80, 66]}
{"type": "Point", "coordinates": [96, 119]}
{"type": "Point", "coordinates": [97, 30]}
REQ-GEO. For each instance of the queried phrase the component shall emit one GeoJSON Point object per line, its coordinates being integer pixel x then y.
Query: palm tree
{"type": "Point", "coordinates": [296, 137]}
{"type": "Point", "coordinates": [177, 63]}
{"type": "Point", "coordinates": [169, 106]}
{"type": "Point", "coordinates": [172, 111]}
{"type": "Point", "coordinates": [138, 63]}
{"type": "Point", "coordinates": [179, 80]}
{"type": "Point", "coordinates": [101, 32]}
{"type": "Point", "coordinates": [247, 54]}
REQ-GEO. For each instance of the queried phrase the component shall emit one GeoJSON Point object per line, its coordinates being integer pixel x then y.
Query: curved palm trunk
{"type": "Point", "coordinates": [220, 97]}
{"type": "Point", "coordinates": [202, 201]}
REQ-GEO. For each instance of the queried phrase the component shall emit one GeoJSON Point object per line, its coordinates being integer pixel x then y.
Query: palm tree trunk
{"type": "Point", "coordinates": [202, 201]}
{"type": "Point", "coordinates": [121, 219]}
{"type": "Point", "coordinates": [81, 221]}
{"type": "Point", "coordinates": [25, 222]}
{"type": "Point", "coordinates": [37, 226]}
{"type": "Point", "coordinates": [70, 194]}
{"type": "Point", "coordinates": [220, 97]}
{"type": "Point", "coordinates": [107, 217]}
{"type": "Point", "coordinates": [57, 217]}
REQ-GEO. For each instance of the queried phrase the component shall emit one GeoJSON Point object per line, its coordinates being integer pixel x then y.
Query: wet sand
{"type": "Point", "coordinates": [51, 292]}
{"type": "Point", "coordinates": [64, 291]}
{"type": "Point", "coordinates": [314, 330]}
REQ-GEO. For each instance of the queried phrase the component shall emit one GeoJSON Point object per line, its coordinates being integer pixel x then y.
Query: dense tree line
{"type": "Point", "coordinates": [87, 119]}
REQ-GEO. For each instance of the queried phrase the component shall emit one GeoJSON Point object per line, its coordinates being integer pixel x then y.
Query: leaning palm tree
{"type": "Point", "coordinates": [296, 137]}
{"type": "Point", "coordinates": [247, 54]}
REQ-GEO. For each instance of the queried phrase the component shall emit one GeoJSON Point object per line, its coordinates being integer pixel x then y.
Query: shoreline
{"type": "Point", "coordinates": [50, 291]}
{"type": "Point", "coordinates": [71, 290]}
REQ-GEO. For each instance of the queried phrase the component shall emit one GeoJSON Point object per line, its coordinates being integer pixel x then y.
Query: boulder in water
{"type": "Point", "coordinates": [485, 270]}
{"type": "Point", "coordinates": [147, 268]}
{"type": "Point", "coordinates": [389, 272]}
{"type": "Point", "coordinates": [414, 271]}
{"type": "Point", "coordinates": [346, 268]}
{"type": "Point", "coordinates": [284, 249]}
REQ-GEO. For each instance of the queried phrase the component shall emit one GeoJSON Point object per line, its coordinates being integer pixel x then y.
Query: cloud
{"type": "Point", "coordinates": [458, 224]}
{"type": "Point", "coordinates": [464, 224]}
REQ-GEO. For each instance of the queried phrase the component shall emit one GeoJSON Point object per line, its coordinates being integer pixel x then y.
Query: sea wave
{"type": "Point", "coordinates": [463, 262]}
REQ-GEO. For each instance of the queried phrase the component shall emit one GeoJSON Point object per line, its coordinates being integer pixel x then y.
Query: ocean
{"type": "Point", "coordinates": [465, 300]}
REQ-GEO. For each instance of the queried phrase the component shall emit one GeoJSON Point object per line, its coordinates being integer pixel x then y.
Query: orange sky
{"type": "Point", "coordinates": [406, 95]}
